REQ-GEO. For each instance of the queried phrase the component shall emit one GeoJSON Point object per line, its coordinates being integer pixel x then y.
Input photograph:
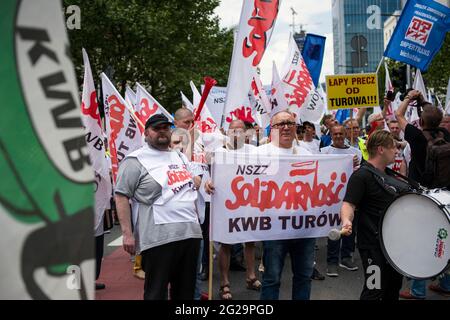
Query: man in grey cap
{"type": "Point", "coordinates": [167, 233]}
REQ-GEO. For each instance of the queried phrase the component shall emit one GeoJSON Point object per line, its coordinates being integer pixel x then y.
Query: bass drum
{"type": "Point", "coordinates": [415, 233]}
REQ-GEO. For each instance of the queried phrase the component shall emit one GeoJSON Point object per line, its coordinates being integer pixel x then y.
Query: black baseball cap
{"type": "Point", "coordinates": [157, 119]}
{"type": "Point", "coordinates": [307, 123]}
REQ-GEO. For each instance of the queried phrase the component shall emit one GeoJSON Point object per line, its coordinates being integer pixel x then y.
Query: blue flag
{"type": "Point", "coordinates": [420, 33]}
{"type": "Point", "coordinates": [313, 51]}
{"type": "Point", "coordinates": [342, 115]}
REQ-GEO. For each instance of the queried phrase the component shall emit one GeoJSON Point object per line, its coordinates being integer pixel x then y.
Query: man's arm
{"type": "Point", "coordinates": [360, 115]}
{"type": "Point", "coordinates": [347, 215]}
{"type": "Point", "coordinates": [400, 113]}
{"type": "Point", "coordinates": [124, 213]}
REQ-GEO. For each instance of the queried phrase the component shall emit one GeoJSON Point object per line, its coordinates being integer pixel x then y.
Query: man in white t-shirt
{"type": "Point", "coordinates": [338, 145]}
{"type": "Point", "coordinates": [301, 251]}
{"type": "Point", "coordinates": [236, 143]}
{"type": "Point", "coordinates": [309, 141]}
{"type": "Point", "coordinates": [345, 246]}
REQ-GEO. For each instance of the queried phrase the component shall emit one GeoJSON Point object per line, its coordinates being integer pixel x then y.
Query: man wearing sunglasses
{"type": "Point", "coordinates": [301, 251]}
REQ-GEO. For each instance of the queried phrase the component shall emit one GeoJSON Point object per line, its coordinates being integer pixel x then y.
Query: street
{"type": "Point", "coordinates": [122, 285]}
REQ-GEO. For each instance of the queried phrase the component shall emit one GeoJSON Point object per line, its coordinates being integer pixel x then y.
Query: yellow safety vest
{"type": "Point", "coordinates": [363, 148]}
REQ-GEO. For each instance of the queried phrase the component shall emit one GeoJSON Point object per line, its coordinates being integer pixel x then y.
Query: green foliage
{"type": "Point", "coordinates": [438, 73]}
{"type": "Point", "coordinates": [161, 44]}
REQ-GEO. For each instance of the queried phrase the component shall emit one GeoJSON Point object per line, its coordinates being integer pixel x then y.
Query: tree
{"type": "Point", "coordinates": [161, 44]}
{"type": "Point", "coordinates": [438, 73]}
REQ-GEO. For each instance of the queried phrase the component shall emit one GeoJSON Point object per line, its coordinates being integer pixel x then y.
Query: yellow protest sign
{"type": "Point", "coordinates": [352, 91]}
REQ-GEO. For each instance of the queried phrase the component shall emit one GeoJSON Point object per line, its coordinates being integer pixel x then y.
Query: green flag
{"type": "Point", "coordinates": [46, 190]}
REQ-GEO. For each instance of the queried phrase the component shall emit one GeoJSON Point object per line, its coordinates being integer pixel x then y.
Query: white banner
{"type": "Point", "coordinates": [185, 102]}
{"type": "Point", "coordinates": [277, 95]}
{"type": "Point", "coordinates": [255, 29]}
{"type": "Point", "coordinates": [147, 105]}
{"type": "Point", "coordinates": [92, 122]}
{"type": "Point", "coordinates": [206, 120]}
{"type": "Point", "coordinates": [121, 128]}
{"type": "Point", "coordinates": [260, 102]}
{"type": "Point", "coordinates": [272, 198]}
{"type": "Point", "coordinates": [302, 96]}
{"type": "Point", "coordinates": [130, 97]}
{"type": "Point", "coordinates": [94, 140]}
{"type": "Point", "coordinates": [216, 101]}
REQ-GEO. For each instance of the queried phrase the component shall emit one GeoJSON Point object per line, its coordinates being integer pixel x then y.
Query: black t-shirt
{"type": "Point", "coordinates": [370, 200]}
{"type": "Point", "coordinates": [418, 144]}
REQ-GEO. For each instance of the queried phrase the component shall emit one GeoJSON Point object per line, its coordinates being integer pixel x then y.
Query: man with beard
{"type": "Point", "coordinates": [168, 231]}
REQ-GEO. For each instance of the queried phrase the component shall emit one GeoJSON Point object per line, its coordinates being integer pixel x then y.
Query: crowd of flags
{"type": "Point", "coordinates": [296, 88]}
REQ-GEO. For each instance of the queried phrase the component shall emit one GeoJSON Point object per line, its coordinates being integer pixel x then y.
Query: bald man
{"type": "Point", "coordinates": [301, 251]}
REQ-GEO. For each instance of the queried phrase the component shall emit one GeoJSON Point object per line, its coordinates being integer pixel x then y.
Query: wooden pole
{"type": "Point", "coordinates": [351, 128]}
{"type": "Point", "coordinates": [210, 276]}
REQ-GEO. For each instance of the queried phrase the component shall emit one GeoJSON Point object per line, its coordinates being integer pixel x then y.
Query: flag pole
{"type": "Point", "coordinates": [379, 64]}
{"type": "Point", "coordinates": [210, 276]}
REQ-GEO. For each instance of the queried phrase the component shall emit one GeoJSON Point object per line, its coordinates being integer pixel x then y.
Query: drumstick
{"type": "Point", "coordinates": [335, 234]}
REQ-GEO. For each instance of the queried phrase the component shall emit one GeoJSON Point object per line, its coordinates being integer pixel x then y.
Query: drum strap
{"type": "Point", "coordinates": [391, 185]}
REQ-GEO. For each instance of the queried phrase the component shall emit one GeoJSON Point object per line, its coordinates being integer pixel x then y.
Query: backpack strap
{"type": "Point", "coordinates": [434, 138]}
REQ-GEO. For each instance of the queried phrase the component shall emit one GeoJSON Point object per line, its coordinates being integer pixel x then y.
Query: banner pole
{"type": "Point", "coordinates": [210, 276]}
{"type": "Point", "coordinates": [351, 128]}
{"type": "Point", "coordinates": [379, 65]}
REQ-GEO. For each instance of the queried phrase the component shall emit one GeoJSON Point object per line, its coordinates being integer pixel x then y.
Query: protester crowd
{"type": "Point", "coordinates": [172, 229]}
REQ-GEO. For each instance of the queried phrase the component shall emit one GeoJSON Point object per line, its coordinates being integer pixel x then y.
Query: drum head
{"type": "Point", "coordinates": [415, 236]}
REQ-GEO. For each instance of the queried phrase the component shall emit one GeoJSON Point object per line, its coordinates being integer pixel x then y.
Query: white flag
{"type": "Point", "coordinates": [94, 140]}
{"type": "Point", "coordinates": [389, 87]}
{"type": "Point", "coordinates": [121, 127]}
{"type": "Point", "coordinates": [255, 29]}
{"type": "Point", "coordinates": [447, 99]}
{"type": "Point", "coordinates": [277, 96]}
{"type": "Point", "coordinates": [302, 97]}
{"type": "Point", "coordinates": [419, 84]}
{"type": "Point", "coordinates": [185, 102]}
{"type": "Point", "coordinates": [130, 97]}
{"type": "Point", "coordinates": [216, 101]}
{"type": "Point", "coordinates": [147, 106]}
{"type": "Point", "coordinates": [412, 116]}
{"type": "Point", "coordinates": [92, 122]}
{"type": "Point", "coordinates": [261, 106]}
{"type": "Point", "coordinates": [206, 120]}
{"type": "Point", "coordinates": [430, 97]}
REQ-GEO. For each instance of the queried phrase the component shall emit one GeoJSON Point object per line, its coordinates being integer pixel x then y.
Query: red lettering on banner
{"type": "Point", "coordinates": [177, 176]}
{"type": "Point", "coordinates": [92, 110]}
{"type": "Point", "coordinates": [419, 30]}
{"type": "Point", "coordinates": [262, 20]}
{"type": "Point", "coordinates": [302, 84]}
{"type": "Point", "coordinates": [206, 125]}
{"type": "Point", "coordinates": [243, 113]}
{"type": "Point", "coordinates": [146, 112]}
{"type": "Point", "coordinates": [116, 116]}
{"type": "Point", "coordinates": [291, 194]}
{"type": "Point", "coordinates": [255, 88]}
{"type": "Point", "coordinates": [397, 164]}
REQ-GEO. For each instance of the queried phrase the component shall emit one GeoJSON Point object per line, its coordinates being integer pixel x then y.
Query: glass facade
{"type": "Point", "coordinates": [358, 33]}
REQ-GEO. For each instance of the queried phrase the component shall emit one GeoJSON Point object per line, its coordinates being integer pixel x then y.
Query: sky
{"type": "Point", "coordinates": [315, 15]}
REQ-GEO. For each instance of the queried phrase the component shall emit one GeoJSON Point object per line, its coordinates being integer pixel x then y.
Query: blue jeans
{"type": "Point", "coordinates": [345, 245]}
{"type": "Point", "coordinates": [301, 252]}
{"type": "Point", "coordinates": [419, 287]}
